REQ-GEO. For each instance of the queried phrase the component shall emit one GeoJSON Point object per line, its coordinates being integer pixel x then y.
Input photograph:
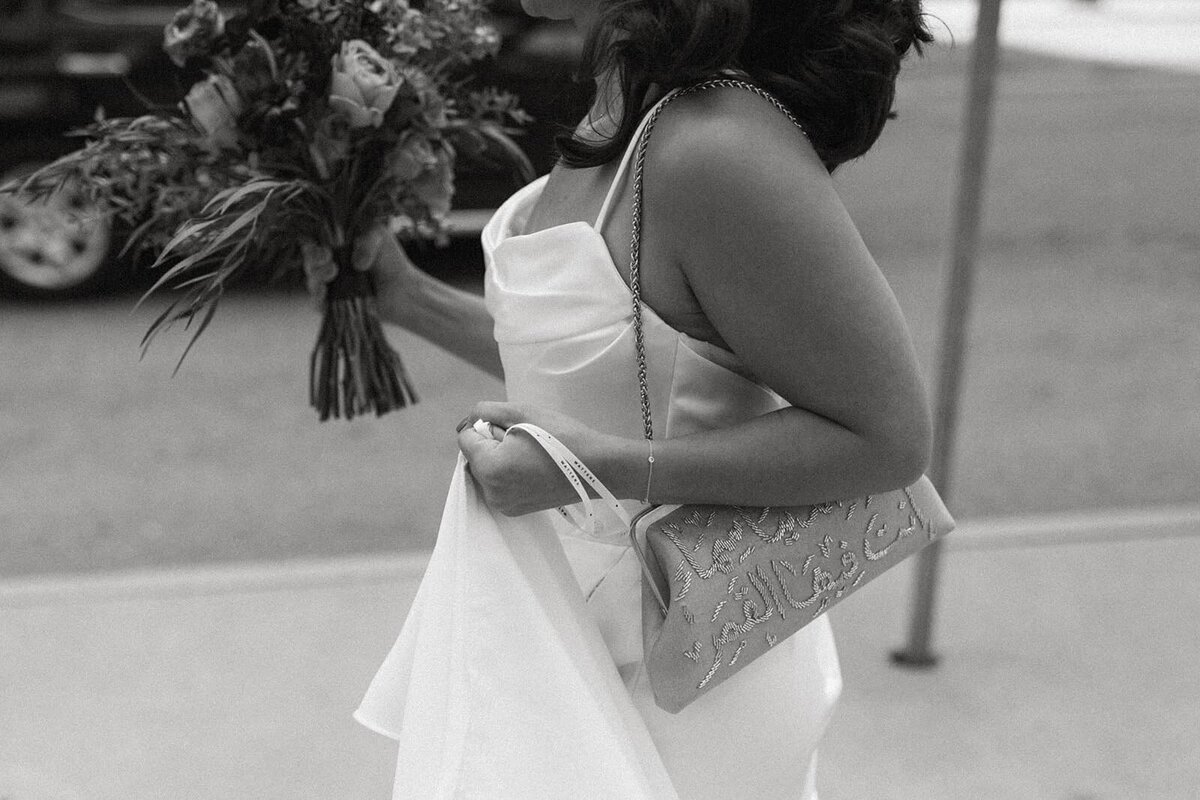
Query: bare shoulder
{"type": "Point", "coordinates": [754, 225]}
{"type": "Point", "coordinates": [726, 159]}
{"type": "Point", "coordinates": [726, 138]}
{"type": "Point", "coordinates": [725, 166]}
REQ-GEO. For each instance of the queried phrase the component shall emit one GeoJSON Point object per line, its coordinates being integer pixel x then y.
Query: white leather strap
{"type": "Point", "coordinates": [578, 474]}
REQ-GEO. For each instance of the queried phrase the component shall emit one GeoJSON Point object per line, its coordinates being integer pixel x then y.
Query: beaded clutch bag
{"type": "Point", "coordinates": [724, 584]}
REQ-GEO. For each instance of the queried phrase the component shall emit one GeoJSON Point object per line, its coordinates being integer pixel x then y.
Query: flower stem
{"type": "Point", "coordinates": [353, 368]}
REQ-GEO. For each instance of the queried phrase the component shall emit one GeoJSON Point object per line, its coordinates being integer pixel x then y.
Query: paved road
{"type": "Point", "coordinates": [1086, 309]}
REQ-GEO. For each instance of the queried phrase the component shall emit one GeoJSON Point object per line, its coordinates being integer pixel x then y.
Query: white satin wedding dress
{"type": "Point", "coordinates": [517, 674]}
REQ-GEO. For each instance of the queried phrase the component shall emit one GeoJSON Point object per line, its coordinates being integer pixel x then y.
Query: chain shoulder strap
{"type": "Point", "coordinates": [635, 240]}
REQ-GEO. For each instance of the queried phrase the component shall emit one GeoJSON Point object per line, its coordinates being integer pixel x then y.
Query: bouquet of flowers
{"type": "Point", "coordinates": [309, 122]}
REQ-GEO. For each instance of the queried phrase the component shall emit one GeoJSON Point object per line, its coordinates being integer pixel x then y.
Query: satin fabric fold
{"type": "Point", "coordinates": [500, 676]}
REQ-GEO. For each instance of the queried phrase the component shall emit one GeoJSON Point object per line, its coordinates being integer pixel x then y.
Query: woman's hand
{"type": "Point", "coordinates": [378, 252]}
{"type": "Point", "coordinates": [397, 279]}
{"type": "Point", "coordinates": [453, 319]}
{"type": "Point", "coordinates": [514, 473]}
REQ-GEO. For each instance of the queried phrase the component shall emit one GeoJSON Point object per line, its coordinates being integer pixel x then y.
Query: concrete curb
{"type": "Point", "coordinates": [1041, 530]}
{"type": "Point", "coordinates": [1104, 526]}
{"type": "Point", "coordinates": [215, 579]}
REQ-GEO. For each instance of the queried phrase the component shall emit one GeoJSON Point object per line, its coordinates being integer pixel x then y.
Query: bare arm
{"type": "Point", "coordinates": [450, 318]}
{"type": "Point", "coordinates": [778, 268]}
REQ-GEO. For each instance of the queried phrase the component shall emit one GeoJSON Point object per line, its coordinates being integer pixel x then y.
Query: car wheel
{"type": "Point", "coordinates": [59, 247]}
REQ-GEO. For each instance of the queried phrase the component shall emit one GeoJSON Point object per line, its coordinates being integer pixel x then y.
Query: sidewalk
{"type": "Point", "coordinates": [1068, 673]}
{"type": "Point", "coordinates": [1148, 33]}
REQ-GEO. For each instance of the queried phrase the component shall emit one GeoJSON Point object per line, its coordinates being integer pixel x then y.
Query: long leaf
{"type": "Point", "coordinates": [156, 325]}
{"type": "Point", "coordinates": [185, 232]}
{"type": "Point", "coordinates": [212, 309]}
{"type": "Point", "coordinates": [172, 273]}
{"type": "Point", "coordinates": [207, 277]}
{"type": "Point", "coordinates": [229, 197]}
{"type": "Point", "coordinates": [135, 236]}
{"type": "Point", "coordinates": [212, 248]}
{"type": "Point", "coordinates": [247, 218]}
{"type": "Point", "coordinates": [521, 163]}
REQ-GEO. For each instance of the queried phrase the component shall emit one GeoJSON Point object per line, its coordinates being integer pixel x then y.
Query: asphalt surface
{"type": "Point", "coordinates": [1075, 394]}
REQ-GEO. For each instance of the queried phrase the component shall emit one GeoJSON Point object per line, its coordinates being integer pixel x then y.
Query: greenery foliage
{"type": "Point", "coordinates": [307, 123]}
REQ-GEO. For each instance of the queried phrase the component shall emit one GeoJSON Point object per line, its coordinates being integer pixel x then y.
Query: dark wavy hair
{"type": "Point", "coordinates": [833, 63]}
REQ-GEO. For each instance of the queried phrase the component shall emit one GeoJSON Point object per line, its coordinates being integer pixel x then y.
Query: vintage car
{"type": "Point", "coordinates": [60, 60]}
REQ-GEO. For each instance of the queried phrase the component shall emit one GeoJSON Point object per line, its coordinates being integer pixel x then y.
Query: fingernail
{"type": "Point", "coordinates": [466, 423]}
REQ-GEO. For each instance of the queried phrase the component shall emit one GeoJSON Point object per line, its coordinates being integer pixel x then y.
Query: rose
{"type": "Point", "coordinates": [192, 31]}
{"type": "Point", "coordinates": [433, 108]}
{"type": "Point", "coordinates": [321, 11]}
{"type": "Point", "coordinates": [254, 72]}
{"type": "Point", "coordinates": [410, 158]}
{"type": "Point", "coordinates": [364, 84]}
{"type": "Point", "coordinates": [485, 40]}
{"type": "Point", "coordinates": [431, 104]}
{"type": "Point", "coordinates": [215, 106]}
{"type": "Point", "coordinates": [435, 185]}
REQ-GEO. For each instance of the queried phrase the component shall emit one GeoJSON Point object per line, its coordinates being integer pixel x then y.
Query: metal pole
{"type": "Point", "coordinates": [973, 155]}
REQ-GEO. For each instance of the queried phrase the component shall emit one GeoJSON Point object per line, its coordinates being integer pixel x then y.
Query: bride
{"type": "Point", "coordinates": [779, 372]}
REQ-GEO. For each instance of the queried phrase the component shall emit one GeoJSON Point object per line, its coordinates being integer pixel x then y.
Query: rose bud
{"type": "Point", "coordinates": [410, 158]}
{"type": "Point", "coordinates": [435, 186]}
{"type": "Point", "coordinates": [192, 31]}
{"type": "Point", "coordinates": [215, 106]}
{"type": "Point", "coordinates": [364, 84]}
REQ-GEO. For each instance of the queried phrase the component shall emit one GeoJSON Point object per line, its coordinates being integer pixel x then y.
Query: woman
{"type": "Point", "coordinates": [780, 372]}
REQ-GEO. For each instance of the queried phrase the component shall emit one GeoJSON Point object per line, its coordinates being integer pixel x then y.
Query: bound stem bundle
{"type": "Point", "coordinates": [353, 369]}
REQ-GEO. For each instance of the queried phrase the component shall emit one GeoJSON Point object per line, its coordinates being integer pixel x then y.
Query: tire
{"type": "Point", "coordinates": [54, 249]}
